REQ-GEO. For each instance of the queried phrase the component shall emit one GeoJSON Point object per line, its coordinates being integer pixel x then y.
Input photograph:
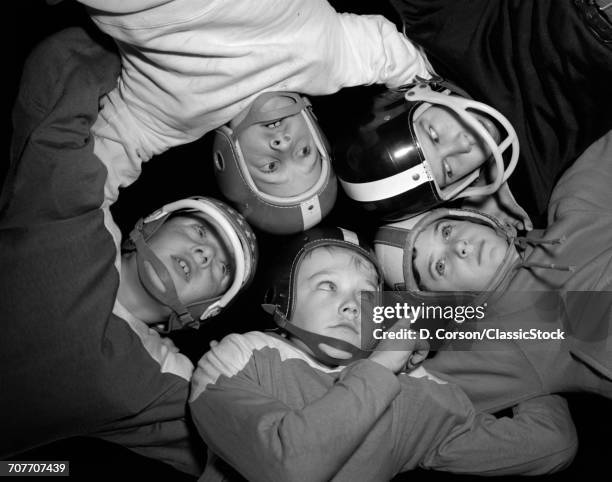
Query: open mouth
{"type": "Point", "coordinates": [273, 125]}
{"type": "Point", "coordinates": [182, 267]}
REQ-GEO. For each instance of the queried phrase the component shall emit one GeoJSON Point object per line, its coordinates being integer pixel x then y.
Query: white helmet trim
{"type": "Point", "coordinates": [311, 212]}
{"type": "Point", "coordinates": [389, 186]}
{"type": "Point", "coordinates": [349, 236]}
{"type": "Point", "coordinates": [212, 211]}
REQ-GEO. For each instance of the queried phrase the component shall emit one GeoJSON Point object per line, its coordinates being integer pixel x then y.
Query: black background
{"type": "Point", "coordinates": [187, 170]}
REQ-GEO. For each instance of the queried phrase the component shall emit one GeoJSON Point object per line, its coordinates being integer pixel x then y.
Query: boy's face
{"type": "Point", "coordinates": [454, 255]}
{"type": "Point", "coordinates": [451, 147]}
{"type": "Point", "coordinates": [282, 156]}
{"type": "Point", "coordinates": [328, 293]}
{"type": "Point", "coordinates": [195, 256]}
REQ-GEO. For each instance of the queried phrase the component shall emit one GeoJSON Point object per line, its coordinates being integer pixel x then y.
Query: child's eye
{"type": "Point", "coordinates": [369, 294]}
{"type": "Point", "coordinates": [440, 267]}
{"type": "Point", "coordinates": [305, 151]}
{"type": "Point", "coordinates": [227, 269]}
{"type": "Point", "coordinates": [446, 231]}
{"type": "Point", "coordinates": [200, 230]}
{"type": "Point", "coordinates": [432, 134]}
{"type": "Point", "coordinates": [327, 286]}
{"type": "Point", "coordinates": [271, 166]}
{"type": "Point", "coordinates": [448, 170]}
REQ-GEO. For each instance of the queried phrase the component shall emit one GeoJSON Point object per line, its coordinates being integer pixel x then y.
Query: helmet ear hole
{"type": "Point", "coordinates": [219, 161]}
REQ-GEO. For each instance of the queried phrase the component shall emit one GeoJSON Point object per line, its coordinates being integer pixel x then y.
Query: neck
{"type": "Point", "coordinates": [133, 296]}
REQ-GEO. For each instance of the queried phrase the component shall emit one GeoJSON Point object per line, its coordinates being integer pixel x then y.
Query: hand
{"type": "Point", "coordinates": [419, 354]}
{"type": "Point", "coordinates": [502, 206]}
{"type": "Point", "coordinates": [402, 353]}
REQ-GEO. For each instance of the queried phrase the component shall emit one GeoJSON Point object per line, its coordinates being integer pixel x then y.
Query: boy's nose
{"type": "Point", "coordinates": [463, 248]}
{"type": "Point", "coordinates": [463, 142]}
{"type": "Point", "coordinates": [281, 141]}
{"type": "Point", "coordinates": [350, 308]}
{"type": "Point", "coordinates": [204, 255]}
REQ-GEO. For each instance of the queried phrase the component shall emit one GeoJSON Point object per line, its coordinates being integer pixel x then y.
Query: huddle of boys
{"type": "Point", "coordinates": [314, 404]}
{"type": "Point", "coordinates": [95, 306]}
{"type": "Point", "coordinates": [82, 130]}
{"type": "Point", "coordinates": [287, 403]}
{"type": "Point", "coordinates": [450, 249]}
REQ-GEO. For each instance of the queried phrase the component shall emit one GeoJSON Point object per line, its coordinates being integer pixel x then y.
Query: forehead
{"type": "Point", "coordinates": [437, 111]}
{"type": "Point", "coordinates": [335, 258]}
{"type": "Point", "coordinates": [187, 218]}
{"type": "Point", "coordinates": [433, 232]}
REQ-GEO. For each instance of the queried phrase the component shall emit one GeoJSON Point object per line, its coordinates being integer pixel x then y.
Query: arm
{"type": "Point", "coordinates": [540, 438]}
{"type": "Point", "coordinates": [369, 49]}
{"type": "Point", "coordinates": [116, 373]}
{"type": "Point", "coordinates": [162, 432]}
{"type": "Point", "coordinates": [495, 376]}
{"type": "Point", "coordinates": [152, 378]}
{"type": "Point", "coordinates": [585, 186]}
{"type": "Point", "coordinates": [53, 172]}
{"type": "Point", "coordinates": [123, 6]}
{"type": "Point", "coordinates": [272, 433]}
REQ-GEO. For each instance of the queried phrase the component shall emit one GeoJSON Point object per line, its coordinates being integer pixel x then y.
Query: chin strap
{"type": "Point", "coordinates": [523, 241]}
{"type": "Point", "coordinates": [180, 317]}
{"type": "Point", "coordinates": [510, 263]}
{"type": "Point", "coordinates": [314, 340]}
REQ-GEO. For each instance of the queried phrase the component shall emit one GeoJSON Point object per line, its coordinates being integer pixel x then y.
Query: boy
{"type": "Point", "coordinates": [267, 155]}
{"type": "Point", "coordinates": [287, 409]}
{"type": "Point", "coordinates": [545, 66]}
{"type": "Point", "coordinates": [425, 144]}
{"type": "Point", "coordinates": [461, 250]}
{"type": "Point", "coordinates": [192, 67]}
{"type": "Point", "coordinates": [78, 351]}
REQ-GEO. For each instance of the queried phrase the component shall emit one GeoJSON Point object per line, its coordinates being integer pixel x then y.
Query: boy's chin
{"type": "Point", "coordinates": [327, 349]}
{"type": "Point", "coordinates": [335, 352]}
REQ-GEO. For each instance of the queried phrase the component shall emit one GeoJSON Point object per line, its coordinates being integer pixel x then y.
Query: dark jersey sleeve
{"type": "Point", "coordinates": [70, 365]}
